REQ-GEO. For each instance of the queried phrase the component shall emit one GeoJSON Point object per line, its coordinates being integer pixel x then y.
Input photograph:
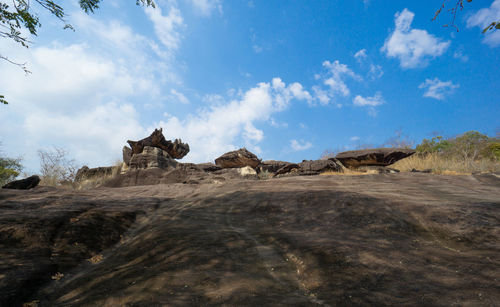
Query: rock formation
{"type": "Point", "coordinates": [23, 184]}
{"type": "Point", "coordinates": [86, 173]}
{"type": "Point", "coordinates": [238, 158]}
{"type": "Point", "coordinates": [176, 149]}
{"type": "Point", "coordinates": [272, 166]}
{"type": "Point", "coordinates": [151, 157]}
{"type": "Point", "coordinates": [380, 156]}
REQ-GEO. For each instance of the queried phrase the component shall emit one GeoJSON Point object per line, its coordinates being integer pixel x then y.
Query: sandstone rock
{"type": "Point", "coordinates": [272, 166]}
{"type": "Point", "coordinates": [151, 157]}
{"type": "Point", "coordinates": [379, 156]}
{"type": "Point", "coordinates": [315, 167]}
{"type": "Point", "coordinates": [246, 171]}
{"type": "Point", "coordinates": [238, 158]}
{"type": "Point", "coordinates": [375, 169]}
{"type": "Point", "coordinates": [86, 173]}
{"type": "Point", "coordinates": [208, 167]}
{"type": "Point", "coordinates": [176, 149]}
{"type": "Point", "coordinates": [290, 167]}
{"type": "Point", "coordinates": [127, 154]}
{"type": "Point", "coordinates": [23, 184]}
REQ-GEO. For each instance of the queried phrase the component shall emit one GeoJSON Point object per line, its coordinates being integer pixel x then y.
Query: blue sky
{"type": "Point", "coordinates": [286, 79]}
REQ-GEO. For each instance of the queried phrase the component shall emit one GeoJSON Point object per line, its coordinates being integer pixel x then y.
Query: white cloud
{"type": "Point", "coordinates": [166, 27]}
{"type": "Point", "coordinates": [483, 18]}
{"type": "Point", "coordinates": [179, 96]}
{"type": "Point", "coordinates": [225, 125]}
{"type": "Point", "coordinates": [360, 55]}
{"type": "Point", "coordinates": [299, 146]}
{"type": "Point", "coordinates": [461, 56]}
{"type": "Point", "coordinates": [438, 89]}
{"type": "Point", "coordinates": [375, 72]}
{"type": "Point", "coordinates": [373, 101]}
{"type": "Point", "coordinates": [354, 138]}
{"type": "Point", "coordinates": [206, 7]}
{"type": "Point", "coordinates": [413, 47]}
{"type": "Point", "coordinates": [321, 95]}
{"type": "Point", "coordinates": [257, 48]}
{"type": "Point", "coordinates": [337, 73]}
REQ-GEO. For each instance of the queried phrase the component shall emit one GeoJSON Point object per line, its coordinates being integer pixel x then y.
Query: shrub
{"type": "Point", "coordinates": [55, 167]}
{"type": "Point", "coordinates": [9, 169]}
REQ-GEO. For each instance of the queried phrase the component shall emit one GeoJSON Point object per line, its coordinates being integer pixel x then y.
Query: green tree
{"type": "Point", "coordinates": [21, 16]}
{"type": "Point", "coordinates": [9, 169]}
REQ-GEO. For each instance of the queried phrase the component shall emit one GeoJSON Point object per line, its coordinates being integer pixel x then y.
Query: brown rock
{"type": "Point", "coordinates": [272, 166]}
{"type": "Point", "coordinates": [86, 173]}
{"type": "Point", "coordinates": [23, 184]}
{"type": "Point", "coordinates": [127, 154]}
{"type": "Point", "coordinates": [379, 156]}
{"type": "Point", "coordinates": [151, 157]}
{"type": "Point", "coordinates": [315, 167]}
{"type": "Point", "coordinates": [238, 158]}
{"type": "Point", "coordinates": [176, 149]}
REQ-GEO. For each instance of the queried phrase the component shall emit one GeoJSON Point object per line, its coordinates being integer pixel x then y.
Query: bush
{"type": "Point", "coordinates": [55, 167]}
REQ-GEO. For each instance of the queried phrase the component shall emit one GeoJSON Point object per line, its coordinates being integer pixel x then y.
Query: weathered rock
{"type": "Point", "coordinates": [247, 171]}
{"type": "Point", "coordinates": [127, 154]}
{"type": "Point", "coordinates": [176, 149]}
{"type": "Point", "coordinates": [23, 184]}
{"type": "Point", "coordinates": [379, 156]}
{"type": "Point", "coordinates": [208, 167]}
{"type": "Point", "coordinates": [238, 158]}
{"type": "Point", "coordinates": [290, 167]}
{"type": "Point", "coordinates": [86, 173]}
{"type": "Point", "coordinates": [272, 166]}
{"type": "Point", "coordinates": [151, 157]}
{"type": "Point", "coordinates": [319, 166]}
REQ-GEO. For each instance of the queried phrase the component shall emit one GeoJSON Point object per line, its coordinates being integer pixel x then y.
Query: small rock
{"type": "Point", "coordinates": [23, 184]}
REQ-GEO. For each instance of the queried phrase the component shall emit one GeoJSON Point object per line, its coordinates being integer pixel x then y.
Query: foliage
{"type": "Point", "coordinates": [468, 147]}
{"type": "Point", "coordinates": [55, 167]}
{"type": "Point", "coordinates": [21, 17]}
{"type": "Point", "coordinates": [399, 140]}
{"type": "Point", "coordinates": [9, 169]}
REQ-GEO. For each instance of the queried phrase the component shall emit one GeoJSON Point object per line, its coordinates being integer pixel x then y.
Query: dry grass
{"type": "Point", "coordinates": [447, 166]}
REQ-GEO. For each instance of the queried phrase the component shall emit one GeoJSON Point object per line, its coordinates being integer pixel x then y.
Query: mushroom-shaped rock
{"type": "Point", "coordinates": [175, 149]}
{"type": "Point", "coordinates": [23, 184]}
{"type": "Point", "coordinates": [379, 156]}
{"type": "Point", "coordinates": [238, 158]}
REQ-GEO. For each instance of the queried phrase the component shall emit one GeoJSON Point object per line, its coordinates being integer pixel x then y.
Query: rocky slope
{"type": "Point", "coordinates": [385, 239]}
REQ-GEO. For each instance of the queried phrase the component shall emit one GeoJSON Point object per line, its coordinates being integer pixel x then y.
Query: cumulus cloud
{"type": "Point", "coordinates": [438, 89]}
{"type": "Point", "coordinates": [413, 47]}
{"type": "Point", "coordinates": [300, 146]}
{"type": "Point", "coordinates": [337, 73]}
{"type": "Point", "coordinates": [167, 27]}
{"type": "Point", "coordinates": [360, 55]}
{"type": "Point", "coordinates": [206, 7]}
{"type": "Point", "coordinates": [483, 18]}
{"type": "Point", "coordinates": [373, 101]}
{"type": "Point", "coordinates": [217, 129]}
{"type": "Point", "coordinates": [375, 72]}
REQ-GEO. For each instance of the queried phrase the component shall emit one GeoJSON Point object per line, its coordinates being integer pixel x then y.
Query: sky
{"type": "Point", "coordinates": [285, 79]}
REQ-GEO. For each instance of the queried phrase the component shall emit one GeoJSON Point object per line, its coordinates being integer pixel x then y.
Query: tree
{"type": "Point", "coordinates": [21, 16]}
{"type": "Point", "coordinates": [9, 169]}
{"type": "Point", "coordinates": [55, 167]}
{"type": "Point", "coordinates": [459, 6]}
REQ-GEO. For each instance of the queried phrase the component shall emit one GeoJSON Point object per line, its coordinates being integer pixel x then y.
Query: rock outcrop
{"type": "Point", "coordinates": [272, 166]}
{"type": "Point", "coordinates": [176, 149]}
{"type": "Point", "coordinates": [379, 156]}
{"type": "Point", "coordinates": [23, 184]}
{"type": "Point", "coordinates": [238, 158]}
{"type": "Point", "coordinates": [151, 157]}
{"type": "Point", "coordinates": [316, 167]}
{"type": "Point", "coordinates": [86, 173]}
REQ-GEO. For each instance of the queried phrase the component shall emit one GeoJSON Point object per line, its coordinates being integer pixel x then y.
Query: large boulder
{"type": "Point", "coordinates": [272, 166]}
{"type": "Point", "coordinates": [151, 157]}
{"type": "Point", "coordinates": [238, 158]}
{"type": "Point", "coordinates": [85, 172]}
{"type": "Point", "coordinates": [127, 155]}
{"type": "Point", "coordinates": [176, 149]}
{"type": "Point", "coordinates": [23, 184]}
{"type": "Point", "coordinates": [316, 167]}
{"type": "Point", "coordinates": [379, 156]}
